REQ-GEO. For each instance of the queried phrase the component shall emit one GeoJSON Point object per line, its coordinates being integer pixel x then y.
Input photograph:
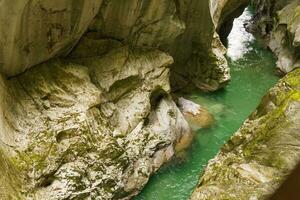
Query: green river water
{"type": "Point", "coordinates": [252, 71]}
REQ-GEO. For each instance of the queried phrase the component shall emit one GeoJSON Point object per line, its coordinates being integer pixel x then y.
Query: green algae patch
{"type": "Point", "coordinates": [293, 78]}
{"type": "Point", "coordinates": [10, 179]}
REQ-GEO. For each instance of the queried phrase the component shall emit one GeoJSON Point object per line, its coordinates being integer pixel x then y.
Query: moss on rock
{"type": "Point", "coordinates": [87, 127]}
{"type": "Point", "coordinates": [256, 160]}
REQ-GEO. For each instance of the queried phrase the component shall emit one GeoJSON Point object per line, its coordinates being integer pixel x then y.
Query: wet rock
{"type": "Point", "coordinates": [262, 153]}
{"type": "Point", "coordinates": [197, 116]}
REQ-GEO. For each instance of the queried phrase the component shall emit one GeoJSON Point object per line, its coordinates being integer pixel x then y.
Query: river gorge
{"type": "Point", "coordinates": [148, 99]}
{"type": "Point", "coordinates": [252, 71]}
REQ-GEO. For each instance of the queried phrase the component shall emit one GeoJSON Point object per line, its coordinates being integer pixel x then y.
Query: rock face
{"type": "Point", "coordinates": [98, 120]}
{"type": "Point", "coordinates": [33, 31]}
{"type": "Point", "coordinates": [279, 22]}
{"type": "Point", "coordinates": [91, 127]}
{"type": "Point", "coordinates": [262, 153]}
{"type": "Point", "coordinates": [185, 29]}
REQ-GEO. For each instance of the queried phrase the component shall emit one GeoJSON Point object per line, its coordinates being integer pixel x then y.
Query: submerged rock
{"type": "Point", "coordinates": [279, 22]}
{"type": "Point", "coordinates": [197, 116]}
{"type": "Point", "coordinates": [258, 158]}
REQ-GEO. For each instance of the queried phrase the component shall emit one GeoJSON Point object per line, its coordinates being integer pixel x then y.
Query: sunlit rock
{"type": "Point", "coordinates": [239, 39]}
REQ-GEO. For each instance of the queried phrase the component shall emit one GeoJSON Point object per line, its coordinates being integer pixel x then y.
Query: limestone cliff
{"type": "Point", "coordinates": [262, 153]}
{"type": "Point", "coordinates": [85, 106]}
{"type": "Point", "coordinates": [279, 22]}
{"type": "Point", "coordinates": [91, 127]}
{"type": "Point", "coordinates": [185, 29]}
{"type": "Point", "coordinates": [33, 31]}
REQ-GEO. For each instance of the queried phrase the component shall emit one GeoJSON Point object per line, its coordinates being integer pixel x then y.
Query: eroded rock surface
{"type": "Point", "coordinates": [36, 31]}
{"type": "Point", "coordinates": [186, 29]}
{"type": "Point", "coordinates": [94, 127]}
{"type": "Point", "coordinates": [33, 31]}
{"type": "Point", "coordinates": [262, 153]}
{"type": "Point", "coordinates": [279, 22]}
{"type": "Point", "coordinates": [98, 122]}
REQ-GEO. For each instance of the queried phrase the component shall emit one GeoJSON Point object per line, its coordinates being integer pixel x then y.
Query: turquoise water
{"type": "Point", "coordinates": [252, 70]}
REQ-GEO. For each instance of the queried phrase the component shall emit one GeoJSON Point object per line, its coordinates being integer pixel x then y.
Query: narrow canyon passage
{"type": "Point", "coordinates": [252, 70]}
{"type": "Point", "coordinates": [152, 99]}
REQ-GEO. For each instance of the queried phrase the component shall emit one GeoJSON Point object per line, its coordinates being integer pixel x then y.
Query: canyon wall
{"type": "Point", "coordinates": [262, 153]}
{"type": "Point", "coordinates": [278, 22]}
{"type": "Point", "coordinates": [92, 127]}
{"type": "Point", "coordinates": [36, 31]}
{"type": "Point", "coordinates": [85, 109]}
{"type": "Point", "coordinates": [33, 31]}
{"type": "Point", "coordinates": [185, 29]}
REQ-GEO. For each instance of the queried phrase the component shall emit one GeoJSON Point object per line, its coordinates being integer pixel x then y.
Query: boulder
{"type": "Point", "coordinates": [197, 116]}
{"type": "Point", "coordinates": [89, 127]}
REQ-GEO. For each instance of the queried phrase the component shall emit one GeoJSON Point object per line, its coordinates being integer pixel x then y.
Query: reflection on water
{"type": "Point", "coordinates": [239, 39]}
{"type": "Point", "coordinates": [252, 75]}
